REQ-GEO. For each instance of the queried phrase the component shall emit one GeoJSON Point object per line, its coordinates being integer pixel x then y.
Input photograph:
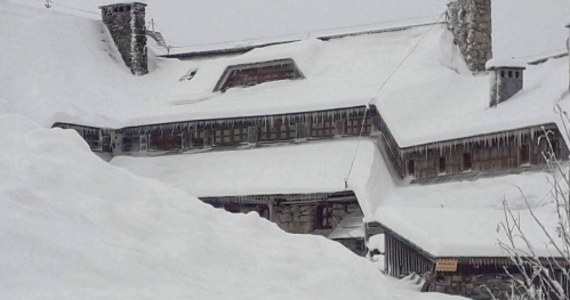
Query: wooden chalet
{"type": "Point", "coordinates": [465, 272]}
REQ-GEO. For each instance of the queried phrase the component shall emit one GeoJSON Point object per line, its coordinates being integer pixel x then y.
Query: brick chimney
{"type": "Point", "coordinates": [126, 23]}
{"type": "Point", "coordinates": [506, 79]}
{"type": "Point", "coordinates": [470, 23]}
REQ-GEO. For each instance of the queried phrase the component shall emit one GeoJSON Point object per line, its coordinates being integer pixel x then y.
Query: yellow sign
{"type": "Point", "coordinates": [446, 265]}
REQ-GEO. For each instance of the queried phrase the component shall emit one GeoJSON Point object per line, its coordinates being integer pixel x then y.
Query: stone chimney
{"type": "Point", "coordinates": [470, 23]}
{"type": "Point", "coordinates": [506, 79]}
{"type": "Point", "coordinates": [126, 23]}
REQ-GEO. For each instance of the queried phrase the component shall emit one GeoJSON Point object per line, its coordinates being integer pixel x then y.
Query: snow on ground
{"type": "Point", "coordinates": [75, 227]}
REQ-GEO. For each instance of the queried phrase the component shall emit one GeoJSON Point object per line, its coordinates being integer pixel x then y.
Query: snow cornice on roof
{"type": "Point", "coordinates": [497, 63]}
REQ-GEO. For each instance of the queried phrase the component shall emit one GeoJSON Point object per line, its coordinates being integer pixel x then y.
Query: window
{"type": "Point", "coordinates": [247, 75]}
{"type": "Point", "coordinates": [525, 154]}
{"type": "Point", "coordinates": [503, 74]}
{"type": "Point", "coordinates": [442, 165]}
{"type": "Point", "coordinates": [252, 135]}
{"type": "Point", "coordinates": [467, 162]}
{"type": "Point", "coordinates": [517, 74]}
{"type": "Point", "coordinates": [510, 74]}
{"type": "Point", "coordinates": [411, 167]}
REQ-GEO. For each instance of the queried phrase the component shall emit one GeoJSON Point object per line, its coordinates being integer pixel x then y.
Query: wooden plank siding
{"type": "Point", "coordinates": [402, 259]}
{"type": "Point", "coordinates": [246, 75]}
{"type": "Point", "coordinates": [182, 136]}
{"type": "Point", "coordinates": [492, 152]}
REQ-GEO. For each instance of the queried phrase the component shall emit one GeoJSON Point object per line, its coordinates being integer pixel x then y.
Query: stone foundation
{"type": "Point", "coordinates": [473, 286]}
{"type": "Point", "coordinates": [470, 23]}
{"type": "Point", "coordinates": [307, 217]}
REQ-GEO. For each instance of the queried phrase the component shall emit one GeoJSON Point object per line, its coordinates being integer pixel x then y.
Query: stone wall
{"type": "Point", "coordinates": [126, 23]}
{"type": "Point", "coordinates": [307, 217]}
{"type": "Point", "coordinates": [473, 286]}
{"type": "Point", "coordinates": [470, 23]}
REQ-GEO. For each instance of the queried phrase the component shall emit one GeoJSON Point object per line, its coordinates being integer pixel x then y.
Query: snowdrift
{"type": "Point", "coordinates": [75, 227]}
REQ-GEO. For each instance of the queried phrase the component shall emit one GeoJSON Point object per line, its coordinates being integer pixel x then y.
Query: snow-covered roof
{"type": "Point", "coordinates": [350, 227]}
{"type": "Point", "coordinates": [431, 96]}
{"type": "Point", "coordinates": [521, 28]}
{"type": "Point", "coordinates": [316, 167]}
{"type": "Point", "coordinates": [426, 102]}
{"type": "Point", "coordinates": [495, 63]}
{"type": "Point", "coordinates": [463, 232]}
{"type": "Point", "coordinates": [462, 218]}
{"type": "Point", "coordinates": [426, 97]}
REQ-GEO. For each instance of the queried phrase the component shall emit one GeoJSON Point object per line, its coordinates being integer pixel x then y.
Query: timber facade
{"type": "Point", "coordinates": [183, 136]}
{"type": "Point", "coordinates": [472, 277]}
{"type": "Point", "coordinates": [521, 148]}
{"type": "Point", "coordinates": [491, 153]}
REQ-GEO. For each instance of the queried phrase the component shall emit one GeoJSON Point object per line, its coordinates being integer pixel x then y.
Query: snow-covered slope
{"type": "Point", "coordinates": [73, 227]}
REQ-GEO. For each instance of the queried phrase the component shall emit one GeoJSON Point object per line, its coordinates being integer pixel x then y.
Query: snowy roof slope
{"type": "Point", "coordinates": [464, 232]}
{"type": "Point", "coordinates": [429, 99]}
{"type": "Point", "coordinates": [316, 167]}
{"type": "Point", "coordinates": [462, 218]}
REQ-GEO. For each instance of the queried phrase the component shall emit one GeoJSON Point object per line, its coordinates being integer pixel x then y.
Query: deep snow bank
{"type": "Point", "coordinates": [75, 227]}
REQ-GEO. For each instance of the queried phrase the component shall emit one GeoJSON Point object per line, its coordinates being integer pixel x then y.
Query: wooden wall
{"type": "Point", "coordinates": [402, 260]}
{"type": "Point", "coordinates": [252, 74]}
{"type": "Point", "coordinates": [184, 136]}
{"type": "Point", "coordinates": [483, 154]}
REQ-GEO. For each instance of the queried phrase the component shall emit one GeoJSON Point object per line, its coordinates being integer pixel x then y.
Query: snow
{"type": "Point", "coordinates": [525, 29]}
{"type": "Point", "coordinates": [75, 227]}
{"type": "Point", "coordinates": [350, 227]}
{"type": "Point", "coordinates": [421, 213]}
{"type": "Point", "coordinates": [528, 29]}
{"type": "Point", "coordinates": [461, 218]}
{"type": "Point", "coordinates": [314, 167]}
{"type": "Point", "coordinates": [465, 232]}
{"type": "Point", "coordinates": [415, 103]}
{"type": "Point", "coordinates": [424, 110]}
{"type": "Point", "coordinates": [505, 63]}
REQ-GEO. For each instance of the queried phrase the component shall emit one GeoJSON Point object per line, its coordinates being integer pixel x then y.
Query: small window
{"type": "Point", "coordinates": [442, 165]}
{"type": "Point", "coordinates": [517, 74]}
{"type": "Point", "coordinates": [502, 74]}
{"type": "Point", "coordinates": [525, 154]}
{"type": "Point", "coordinates": [510, 74]}
{"type": "Point", "coordinates": [128, 8]}
{"type": "Point", "coordinates": [247, 75]}
{"type": "Point", "coordinates": [411, 167]}
{"type": "Point", "coordinates": [467, 162]}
